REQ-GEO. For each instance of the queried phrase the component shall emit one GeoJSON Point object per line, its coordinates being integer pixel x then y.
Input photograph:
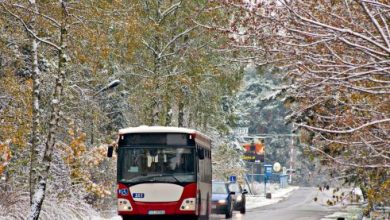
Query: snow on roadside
{"type": "Point", "coordinates": [117, 217]}
{"type": "Point", "coordinates": [107, 215]}
{"type": "Point", "coordinates": [342, 197]}
{"type": "Point", "coordinates": [344, 200]}
{"type": "Point", "coordinates": [277, 196]}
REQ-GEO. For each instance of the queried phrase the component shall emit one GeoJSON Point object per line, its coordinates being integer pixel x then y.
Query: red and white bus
{"type": "Point", "coordinates": [163, 171]}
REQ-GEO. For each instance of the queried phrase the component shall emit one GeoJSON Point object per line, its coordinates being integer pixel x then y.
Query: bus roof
{"type": "Point", "coordinates": [161, 129]}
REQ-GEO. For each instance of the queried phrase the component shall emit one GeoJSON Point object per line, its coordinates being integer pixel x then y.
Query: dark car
{"type": "Point", "coordinates": [222, 201]}
{"type": "Point", "coordinates": [240, 197]}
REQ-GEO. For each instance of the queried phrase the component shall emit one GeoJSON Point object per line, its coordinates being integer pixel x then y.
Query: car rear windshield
{"type": "Point", "coordinates": [219, 188]}
{"type": "Point", "coordinates": [234, 187]}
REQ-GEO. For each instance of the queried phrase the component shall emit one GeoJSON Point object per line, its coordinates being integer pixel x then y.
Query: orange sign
{"type": "Point", "coordinates": [254, 152]}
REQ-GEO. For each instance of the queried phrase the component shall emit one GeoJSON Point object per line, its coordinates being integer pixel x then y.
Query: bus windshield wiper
{"type": "Point", "coordinates": [171, 175]}
{"type": "Point", "coordinates": [163, 175]}
{"type": "Point", "coordinates": [152, 178]}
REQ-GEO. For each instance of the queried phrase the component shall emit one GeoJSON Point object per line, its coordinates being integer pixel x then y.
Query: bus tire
{"type": "Point", "coordinates": [207, 216]}
{"type": "Point", "coordinates": [199, 206]}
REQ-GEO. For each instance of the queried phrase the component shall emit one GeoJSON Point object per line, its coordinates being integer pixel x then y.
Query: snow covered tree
{"type": "Point", "coordinates": [175, 76]}
{"type": "Point", "coordinates": [336, 54]}
{"type": "Point", "coordinates": [259, 106]}
{"type": "Point", "coordinates": [56, 59]}
{"type": "Point", "coordinates": [227, 162]}
{"type": "Point", "coordinates": [343, 91]}
{"type": "Point", "coordinates": [45, 25]}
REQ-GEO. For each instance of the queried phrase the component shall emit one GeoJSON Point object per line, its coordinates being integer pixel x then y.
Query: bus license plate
{"type": "Point", "coordinates": [156, 212]}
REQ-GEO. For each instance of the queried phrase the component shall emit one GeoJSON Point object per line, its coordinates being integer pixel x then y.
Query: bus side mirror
{"type": "Point", "coordinates": [110, 150]}
{"type": "Point", "coordinates": [201, 154]}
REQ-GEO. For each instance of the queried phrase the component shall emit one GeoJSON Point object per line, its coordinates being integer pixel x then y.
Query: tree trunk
{"type": "Point", "coordinates": [189, 124]}
{"type": "Point", "coordinates": [35, 136]}
{"type": "Point", "coordinates": [44, 166]}
{"type": "Point", "coordinates": [168, 116]}
{"type": "Point", "coordinates": [156, 103]}
{"type": "Point", "coordinates": [180, 120]}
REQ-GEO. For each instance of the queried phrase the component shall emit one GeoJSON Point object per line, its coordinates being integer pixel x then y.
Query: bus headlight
{"type": "Point", "coordinates": [124, 205]}
{"type": "Point", "coordinates": [221, 201]}
{"type": "Point", "coordinates": [188, 205]}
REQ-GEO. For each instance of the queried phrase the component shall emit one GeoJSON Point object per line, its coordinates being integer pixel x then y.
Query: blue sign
{"type": "Point", "coordinates": [267, 170]}
{"type": "Point", "coordinates": [233, 179]}
{"type": "Point", "coordinates": [123, 192]}
{"type": "Point", "coordinates": [138, 195]}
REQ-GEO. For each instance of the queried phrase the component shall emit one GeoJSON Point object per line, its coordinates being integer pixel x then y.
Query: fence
{"type": "Point", "coordinates": [274, 178]}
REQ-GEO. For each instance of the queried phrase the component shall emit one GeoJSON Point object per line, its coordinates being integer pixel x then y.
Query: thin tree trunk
{"type": "Point", "coordinates": [156, 103]}
{"type": "Point", "coordinates": [189, 124]}
{"type": "Point", "coordinates": [44, 166]}
{"type": "Point", "coordinates": [168, 116]}
{"type": "Point", "coordinates": [180, 120]}
{"type": "Point", "coordinates": [156, 100]}
{"type": "Point", "coordinates": [35, 140]}
{"type": "Point", "coordinates": [204, 121]}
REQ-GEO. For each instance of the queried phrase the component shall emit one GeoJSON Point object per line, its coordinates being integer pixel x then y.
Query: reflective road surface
{"type": "Point", "coordinates": [299, 206]}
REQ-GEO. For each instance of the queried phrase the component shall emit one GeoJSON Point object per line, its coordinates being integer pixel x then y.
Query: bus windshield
{"type": "Point", "coordinates": [153, 164]}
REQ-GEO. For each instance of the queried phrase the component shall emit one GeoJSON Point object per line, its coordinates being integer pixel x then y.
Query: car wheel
{"type": "Point", "coordinates": [243, 209]}
{"type": "Point", "coordinates": [229, 212]}
{"type": "Point", "coordinates": [229, 215]}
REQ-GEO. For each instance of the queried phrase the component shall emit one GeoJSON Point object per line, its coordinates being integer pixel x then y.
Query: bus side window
{"type": "Point", "coordinates": [209, 172]}
{"type": "Point", "coordinates": [201, 153]}
{"type": "Point", "coordinates": [201, 160]}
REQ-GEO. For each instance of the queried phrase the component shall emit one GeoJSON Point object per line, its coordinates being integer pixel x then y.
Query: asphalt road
{"type": "Point", "coordinates": [299, 206]}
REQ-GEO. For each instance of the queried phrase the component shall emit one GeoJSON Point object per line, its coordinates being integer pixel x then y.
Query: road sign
{"type": "Point", "coordinates": [253, 152]}
{"type": "Point", "coordinates": [241, 131]}
{"type": "Point", "coordinates": [267, 170]}
{"type": "Point", "coordinates": [277, 167]}
{"type": "Point", "coordinates": [267, 175]}
{"type": "Point", "coordinates": [233, 179]}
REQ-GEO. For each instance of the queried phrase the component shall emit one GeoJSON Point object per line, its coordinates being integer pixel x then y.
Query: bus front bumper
{"type": "Point", "coordinates": [156, 209]}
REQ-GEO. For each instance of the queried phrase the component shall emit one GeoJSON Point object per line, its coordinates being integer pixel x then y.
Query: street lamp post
{"type": "Point", "coordinates": [108, 86]}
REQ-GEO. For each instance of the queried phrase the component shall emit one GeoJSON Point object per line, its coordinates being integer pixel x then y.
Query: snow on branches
{"type": "Point", "coordinates": [337, 54]}
{"type": "Point", "coordinates": [342, 77]}
{"type": "Point", "coordinates": [83, 163]}
{"type": "Point", "coordinates": [5, 156]}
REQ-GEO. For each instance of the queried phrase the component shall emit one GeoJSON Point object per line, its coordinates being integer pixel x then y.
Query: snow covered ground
{"type": "Point", "coordinates": [107, 215]}
{"type": "Point", "coordinates": [349, 213]}
{"type": "Point", "coordinates": [343, 200]}
{"type": "Point", "coordinates": [117, 217]}
{"type": "Point", "coordinates": [277, 194]}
